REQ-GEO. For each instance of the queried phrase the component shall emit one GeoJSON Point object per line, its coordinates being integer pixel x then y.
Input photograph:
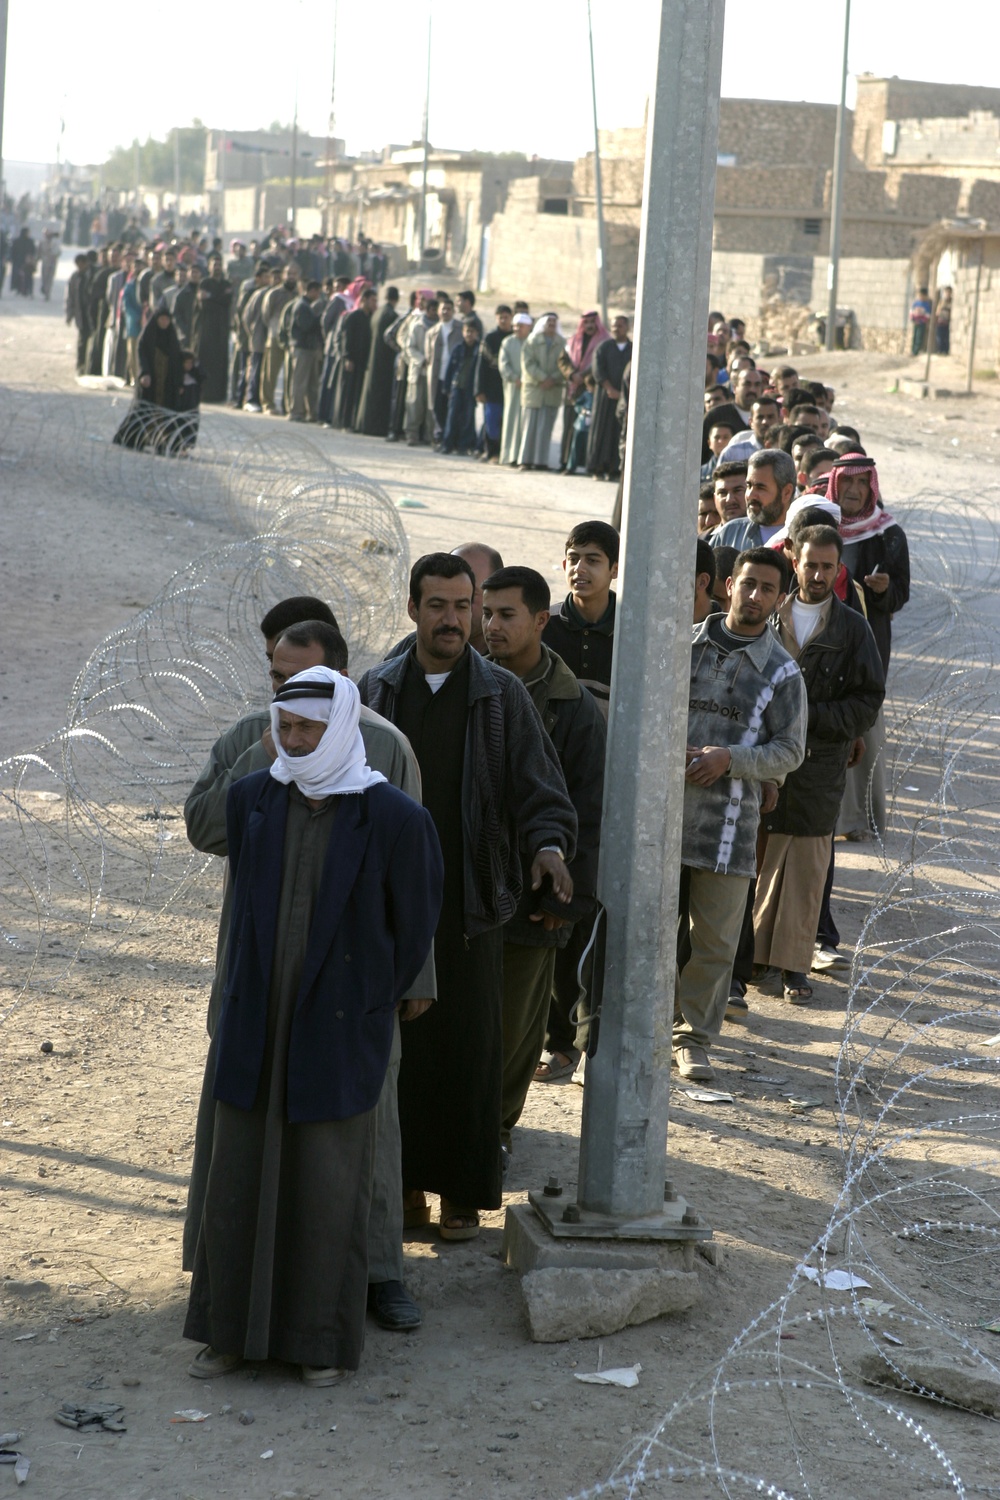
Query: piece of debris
{"type": "Point", "coordinates": [626, 1378]}
{"type": "Point", "coordinates": [191, 1414]}
{"type": "Point", "coordinates": [709, 1096]}
{"type": "Point", "coordinates": [951, 1375]}
{"type": "Point", "coordinates": [91, 1418]}
{"type": "Point", "coordinates": [246, 1419]}
{"type": "Point", "coordinates": [47, 1047]}
{"type": "Point", "coordinates": [21, 1468]}
{"type": "Point", "coordinates": [834, 1281]}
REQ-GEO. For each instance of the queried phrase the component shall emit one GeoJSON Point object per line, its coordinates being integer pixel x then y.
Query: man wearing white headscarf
{"type": "Point", "coordinates": [542, 383]}
{"type": "Point", "coordinates": [510, 373]}
{"type": "Point", "coordinates": [330, 926]}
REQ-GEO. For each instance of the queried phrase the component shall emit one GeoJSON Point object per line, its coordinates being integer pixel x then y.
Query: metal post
{"type": "Point", "coordinates": [221, 179]}
{"type": "Point", "coordinates": [837, 199]}
{"type": "Point", "coordinates": [137, 166]}
{"type": "Point", "coordinates": [3, 81]}
{"type": "Point", "coordinates": [177, 170]}
{"type": "Point", "coordinates": [975, 317]}
{"type": "Point", "coordinates": [624, 1132]}
{"type": "Point", "coordinates": [423, 181]}
{"type": "Point", "coordinates": [295, 159]}
{"type": "Point", "coordinates": [331, 128]}
{"type": "Point", "coordinates": [602, 258]}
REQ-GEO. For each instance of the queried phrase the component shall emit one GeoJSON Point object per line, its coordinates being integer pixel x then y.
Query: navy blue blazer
{"type": "Point", "coordinates": [372, 928]}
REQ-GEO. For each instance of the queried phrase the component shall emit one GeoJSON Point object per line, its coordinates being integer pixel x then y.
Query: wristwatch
{"type": "Point", "coordinates": [552, 849]}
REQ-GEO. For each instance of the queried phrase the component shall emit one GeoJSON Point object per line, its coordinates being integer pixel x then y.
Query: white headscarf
{"type": "Point", "coordinates": [337, 767]}
{"type": "Point", "coordinates": [806, 502]}
{"type": "Point", "coordinates": [538, 332]}
{"type": "Point", "coordinates": [523, 318]}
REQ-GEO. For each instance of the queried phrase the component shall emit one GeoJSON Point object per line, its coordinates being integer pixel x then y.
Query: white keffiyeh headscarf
{"type": "Point", "coordinates": [337, 767]}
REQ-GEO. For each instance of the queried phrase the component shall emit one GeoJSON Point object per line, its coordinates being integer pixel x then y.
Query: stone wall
{"type": "Point", "coordinates": [877, 290]}
{"type": "Point", "coordinates": [551, 258]}
{"type": "Point", "coordinates": [768, 133]}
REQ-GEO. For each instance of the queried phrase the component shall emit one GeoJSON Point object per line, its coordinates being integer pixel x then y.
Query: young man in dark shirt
{"type": "Point", "coordinates": [582, 628]}
{"type": "Point", "coordinates": [582, 631]}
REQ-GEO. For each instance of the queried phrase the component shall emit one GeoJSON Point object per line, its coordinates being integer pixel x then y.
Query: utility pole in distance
{"type": "Point", "coordinates": [621, 1190]}
{"type": "Point", "coordinates": [602, 247]}
{"type": "Point", "coordinates": [837, 196]}
{"type": "Point", "coordinates": [3, 85]}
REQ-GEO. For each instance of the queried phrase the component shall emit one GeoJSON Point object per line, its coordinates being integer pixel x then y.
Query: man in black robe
{"type": "Point", "coordinates": [210, 330]}
{"type": "Point", "coordinates": [335, 309]}
{"type": "Point", "coordinates": [610, 359]}
{"type": "Point", "coordinates": [353, 345]}
{"type": "Point", "coordinates": [495, 790]}
{"type": "Point", "coordinates": [376, 393]}
{"type": "Point", "coordinates": [76, 309]}
{"type": "Point", "coordinates": [489, 383]}
{"type": "Point", "coordinates": [97, 309]}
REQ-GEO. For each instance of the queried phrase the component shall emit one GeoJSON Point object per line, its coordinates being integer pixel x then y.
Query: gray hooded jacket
{"type": "Point", "coordinates": [754, 702]}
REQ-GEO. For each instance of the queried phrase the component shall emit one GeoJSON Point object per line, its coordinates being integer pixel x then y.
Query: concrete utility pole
{"type": "Point", "coordinates": [623, 1139]}
{"type": "Point", "coordinates": [837, 198]}
{"type": "Point", "coordinates": [602, 249]}
{"type": "Point", "coordinates": [423, 180]}
{"type": "Point", "coordinates": [177, 170]}
{"type": "Point", "coordinates": [3, 82]}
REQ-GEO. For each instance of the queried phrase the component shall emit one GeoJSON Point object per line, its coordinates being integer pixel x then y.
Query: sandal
{"type": "Point", "coordinates": [798, 990]}
{"type": "Point", "coordinates": [416, 1215]}
{"type": "Point", "coordinates": [554, 1068]}
{"type": "Point", "coordinates": [458, 1223]}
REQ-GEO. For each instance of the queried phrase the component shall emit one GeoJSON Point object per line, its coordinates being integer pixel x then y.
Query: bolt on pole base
{"type": "Point", "coordinates": [567, 1221]}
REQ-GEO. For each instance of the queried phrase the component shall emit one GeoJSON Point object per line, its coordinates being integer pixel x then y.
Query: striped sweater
{"type": "Point", "coordinates": [752, 700]}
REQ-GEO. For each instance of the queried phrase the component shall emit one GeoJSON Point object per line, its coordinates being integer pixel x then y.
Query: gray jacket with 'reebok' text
{"type": "Point", "coordinates": [754, 702]}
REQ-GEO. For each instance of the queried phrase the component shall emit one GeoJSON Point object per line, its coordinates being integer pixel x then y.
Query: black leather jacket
{"type": "Point", "coordinates": [845, 686]}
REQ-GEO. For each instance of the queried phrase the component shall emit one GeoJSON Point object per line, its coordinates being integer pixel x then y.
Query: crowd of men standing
{"type": "Point", "coordinates": [473, 755]}
{"type": "Point", "coordinates": [491, 713]}
{"type": "Point", "coordinates": [273, 331]}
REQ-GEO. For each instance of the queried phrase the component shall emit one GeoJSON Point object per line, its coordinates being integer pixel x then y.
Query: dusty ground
{"type": "Point", "coordinates": [97, 1134]}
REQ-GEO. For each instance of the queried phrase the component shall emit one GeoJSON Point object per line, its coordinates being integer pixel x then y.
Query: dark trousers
{"type": "Point", "coordinates": [826, 928]}
{"type": "Point", "coordinates": [253, 379]}
{"type": "Point", "coordinates": [238, 376]}
{"type": "Point", "coordinates": [527, 986]}
{"type": "Point", "coordinates": [460, 427]}
{"type": "Point", "coordinates": [569, 1011]}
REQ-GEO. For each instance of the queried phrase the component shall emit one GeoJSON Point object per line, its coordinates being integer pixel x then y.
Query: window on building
{"type": "Point", "coordinates": [555, 205]}
{"type": "Point", "coordinates": [811, 226]}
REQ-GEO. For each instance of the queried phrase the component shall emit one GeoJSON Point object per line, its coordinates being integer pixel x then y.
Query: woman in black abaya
{"type": "Point", "coordinates": [154, 421]}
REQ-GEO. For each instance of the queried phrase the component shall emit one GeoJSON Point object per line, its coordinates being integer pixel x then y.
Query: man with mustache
{"type": "Point", "coordinates": [495, 790]}
{"type": "Point", "coordinates": [770, 490]}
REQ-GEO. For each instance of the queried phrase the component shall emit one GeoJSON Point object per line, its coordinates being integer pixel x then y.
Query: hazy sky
{"type": "Point", "coordinates": [512, 76]}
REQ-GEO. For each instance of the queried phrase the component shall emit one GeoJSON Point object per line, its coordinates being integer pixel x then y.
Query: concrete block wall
{"type": "Point", "coordinates": [544, 258]}
{"type": "Point", "coordinates": [964, 268]}
{"type": "Point", "coordinates": [878, 290]}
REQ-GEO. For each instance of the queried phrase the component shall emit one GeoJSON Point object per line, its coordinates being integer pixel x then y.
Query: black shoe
{"type": "Point", "coordinates": [392, 1307]}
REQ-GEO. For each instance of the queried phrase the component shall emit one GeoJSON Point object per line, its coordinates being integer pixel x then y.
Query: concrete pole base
{"type": "Point", "coordinates": [586, 1288]}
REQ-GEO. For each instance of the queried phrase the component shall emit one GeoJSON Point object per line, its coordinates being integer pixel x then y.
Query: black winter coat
{"type": "Point", "coordinates": [845, 686]}
{"type": "Point", "coordinates": [889, 553]}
